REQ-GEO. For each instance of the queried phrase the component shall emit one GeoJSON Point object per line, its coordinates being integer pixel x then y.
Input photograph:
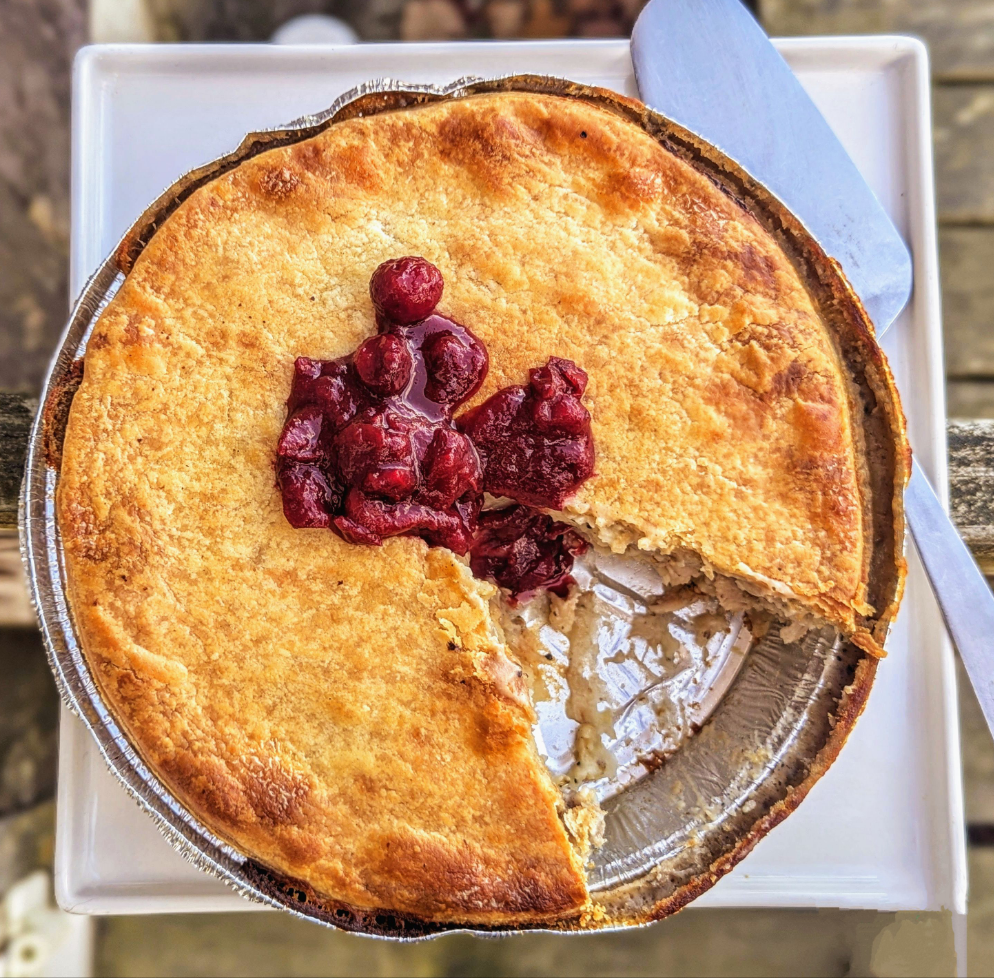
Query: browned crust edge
{"type": "Point", "coordinates": [55, 413]}
{"type": "Point", "coordinates": [859, 351]}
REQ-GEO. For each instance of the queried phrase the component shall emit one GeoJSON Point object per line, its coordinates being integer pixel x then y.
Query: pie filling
{"type": "Point", "coordinates": [625, 655]}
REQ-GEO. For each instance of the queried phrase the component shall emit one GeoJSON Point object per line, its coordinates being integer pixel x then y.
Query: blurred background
{"type": "Point", "coordinates": [38, 39]}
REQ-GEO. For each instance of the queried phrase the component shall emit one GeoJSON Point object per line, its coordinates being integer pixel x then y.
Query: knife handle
{"type": "Point", "coordinates": [961, 591]}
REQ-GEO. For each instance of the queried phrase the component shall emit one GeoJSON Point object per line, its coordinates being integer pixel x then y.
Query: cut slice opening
{"type": "Point", "coordinates": [629, 666]}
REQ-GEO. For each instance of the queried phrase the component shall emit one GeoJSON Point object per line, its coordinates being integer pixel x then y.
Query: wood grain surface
{"type": "Point", "coordinates": [963, 134]}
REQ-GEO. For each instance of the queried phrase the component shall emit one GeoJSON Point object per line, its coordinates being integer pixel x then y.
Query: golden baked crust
{"type": "Point", "coordinates": [346, 714]}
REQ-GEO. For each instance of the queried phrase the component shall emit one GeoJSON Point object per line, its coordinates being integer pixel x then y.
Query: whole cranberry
{"type": "Point", "coordinates": [456, 366]}
{"type": "Point", "coordinates": [305, 373]}
{"type": "Point", "coordinates": [384, 363]}
{"type": "Point", "coordinates": [376, 458]}
{"type": "Point", "coordinates": [564, 414]}
{"type": "Point", "coordinates": [391, 481]}
{"type": "Point", "coordinates": [556, 405]}
{"type": "Point", "coordinates": [405, 290]}
{"type": "Point", "coordinates": [300, 439]}
{"type": "Point", "coordinates": [558, 376]}
{"type": "Point", "coordinates": [336, 397]}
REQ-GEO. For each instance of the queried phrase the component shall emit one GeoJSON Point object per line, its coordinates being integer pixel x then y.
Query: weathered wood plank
{"type": "Point", "coordinates": [373, 20]}
{"type": "Point", "coordinates": [15, 607]}
{"type": "Point", "coordinates": [960, 33]}
{"type": "Point", "coordinates": [16, 413]}
{"type": "Point", "coordinates": [29, 713]}
{"type": "Point", "coordinates": [971, 486]}
{"type": "Point", "coordinates": [964, 152]}
{"type": "Point", "coordinates": [971, 459]}
{"type": "Point", "coordinates": [967, 259]}
{"type": "Point", "coordinates": [37, 43]}
{"type": "Point", "coordinates": [978, 754]}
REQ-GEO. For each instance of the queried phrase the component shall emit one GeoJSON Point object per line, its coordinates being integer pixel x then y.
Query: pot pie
{"type": "Point", "coordinates": [351, 713]}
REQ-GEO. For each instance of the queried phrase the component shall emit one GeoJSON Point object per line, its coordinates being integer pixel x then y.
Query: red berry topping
{"type": "Point", "coordinates": [305, 372]}
{"type": "Point", "coordinates": [367, 518]}
{"type": "Point", "coordinates": [557, 377]}
{"type": "Point", "coordinates": [377, 458]}
{"type": "Point", "coordinates": [385, 364]}
{"type": "Point", "coordinates": [301, 437]}
{"type": "Point", "coordinates": [456, 366]}
{"type": "Point", "coordinates": [556, 407]}
{"type": "Point", "coordinates": [535, 442]}
{"type": "Point", "coordinates": [523, 550]}
{"type": "Point", "coordinates": [337, 398]}
{"type": "Point", "coordinates": [308, 497]}
{"type": "Point", "coordinates": [370, 448]}
{"type": "Point", "coordinates": [451, 468]}
{"type": "Point", "coordinates": [405, 290]}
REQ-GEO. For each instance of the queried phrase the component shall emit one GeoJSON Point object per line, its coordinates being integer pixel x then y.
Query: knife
{"type": "Point", "coordinates": [709, 66]}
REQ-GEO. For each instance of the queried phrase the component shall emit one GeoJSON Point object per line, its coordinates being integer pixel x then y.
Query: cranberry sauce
{"type": "Point", "coordinates": [370, 449]}
{"type": "Point", "coordinates": [524, 550]}
{"type": "Point", "coordinates": [535, 442]}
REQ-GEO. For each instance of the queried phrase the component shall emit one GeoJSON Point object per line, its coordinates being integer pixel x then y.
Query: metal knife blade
{"type": "Point", "coordinates": [709, 66]}
{"type": "Point", "coordinates": [963, 594]}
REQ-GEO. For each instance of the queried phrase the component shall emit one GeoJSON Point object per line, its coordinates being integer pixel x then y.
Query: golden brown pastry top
{"type": "Point", "coordinates": [343, 713]}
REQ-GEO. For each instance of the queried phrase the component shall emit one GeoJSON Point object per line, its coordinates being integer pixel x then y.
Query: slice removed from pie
{"type": "Point", "coordinates": [351, 716]}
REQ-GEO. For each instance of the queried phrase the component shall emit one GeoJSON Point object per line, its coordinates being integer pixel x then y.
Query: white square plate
{"type": "Point", "coordinates": [884, 828]}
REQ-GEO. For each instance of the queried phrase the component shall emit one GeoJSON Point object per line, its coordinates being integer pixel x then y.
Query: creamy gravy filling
{"type": "Point", "coordinates": [622, 672]}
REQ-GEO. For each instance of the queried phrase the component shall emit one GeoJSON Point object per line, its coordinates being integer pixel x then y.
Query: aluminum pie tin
{"type": "Point", "coordinates": [669, 836]}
